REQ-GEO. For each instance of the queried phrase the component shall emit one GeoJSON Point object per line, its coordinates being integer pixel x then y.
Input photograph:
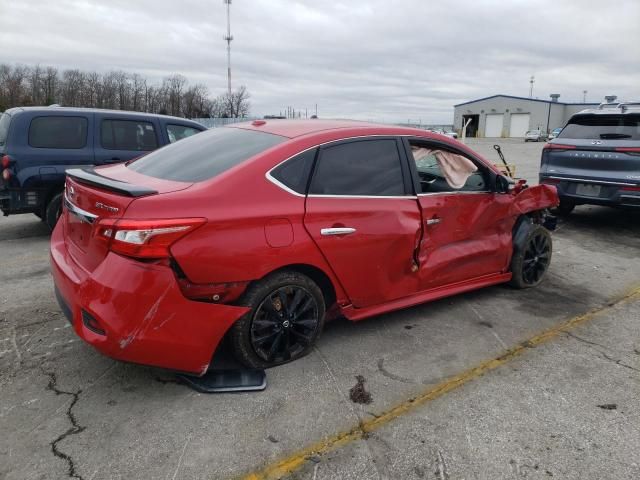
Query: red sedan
{"type": "Point", "coordinates": [261, 231]}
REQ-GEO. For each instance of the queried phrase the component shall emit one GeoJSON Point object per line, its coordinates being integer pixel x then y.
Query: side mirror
{"type": "Point", "coordinates": [502, 184]}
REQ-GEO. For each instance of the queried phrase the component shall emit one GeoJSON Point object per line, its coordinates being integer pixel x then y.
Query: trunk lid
{"type": "Point", "coordinates": [96, 195]}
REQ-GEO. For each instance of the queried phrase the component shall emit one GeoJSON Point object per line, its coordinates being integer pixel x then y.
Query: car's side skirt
{"type": "Point", "coordinates": [356, 314]}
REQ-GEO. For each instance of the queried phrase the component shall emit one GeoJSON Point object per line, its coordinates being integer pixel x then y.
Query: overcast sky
{"type": "Point", "coordinates": [375, 60]}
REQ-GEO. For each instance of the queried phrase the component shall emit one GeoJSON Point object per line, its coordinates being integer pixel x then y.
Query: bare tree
{"type": "Point", "coordinates": [37, 85]}
{"type": "Point", "coordinates": [237, 103]}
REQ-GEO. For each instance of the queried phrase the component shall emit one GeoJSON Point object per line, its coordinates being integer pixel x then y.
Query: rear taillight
{"type": "Point", "coordinates": [558, 146]}
{"type": "Point", "coordinates": [628, 149]}
{"type": "Point", "coordinates": [631, 189]}
{"type": "Point", "coordinates": [144, 238]}
{"type": "Point", "coordinates": [5, 161]}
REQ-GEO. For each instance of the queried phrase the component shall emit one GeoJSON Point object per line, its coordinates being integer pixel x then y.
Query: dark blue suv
{"type": "Point", "coordinates": [38, 144]}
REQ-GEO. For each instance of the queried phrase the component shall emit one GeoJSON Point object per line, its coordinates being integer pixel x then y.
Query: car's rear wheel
{"type": "Point", "coordinates": [53, 211]}
{"type": "Point", "coordinates": [565, 207]}
{"type": "Point", "coordinates": [286, 318]}
{"type": "Point", "coordinates": [531, 262]}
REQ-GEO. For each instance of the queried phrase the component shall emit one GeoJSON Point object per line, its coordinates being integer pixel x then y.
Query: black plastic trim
{"type": "Point", "coordinates": [90, 177]}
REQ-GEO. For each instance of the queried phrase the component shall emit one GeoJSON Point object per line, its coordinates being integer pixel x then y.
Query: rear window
{"type": "Point", "coordinates": [178, 132]}
{"type": "Point", "coordinates": [603, 127]}
{"type": "Point", "coordinates": [58, 132]}
{"type": "Point", "coordinates": [5, 120]}
{"type": "Point", "coordinates": [132, 135]}
{"type": "Point", "coordinates": [206, 155]}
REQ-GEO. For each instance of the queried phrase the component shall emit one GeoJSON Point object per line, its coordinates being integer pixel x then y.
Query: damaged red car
{"type": "Point", "coordinates": [261, 231]}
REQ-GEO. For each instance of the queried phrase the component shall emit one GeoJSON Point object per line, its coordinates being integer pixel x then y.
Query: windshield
{"type": "Point", "coordinates": [5, 120]}
{"type": "Point", "coordinates": [602, 127]}
{"type": "Point", "coordinates": [203, 156]}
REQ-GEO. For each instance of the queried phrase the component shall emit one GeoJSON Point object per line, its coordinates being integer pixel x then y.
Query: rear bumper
{"type": "Point", "coordinates": [21, 201]}
{"type": "Point", "coordinates": [610, 194]}
{"type": "Point", "coordinates": [140, 309]}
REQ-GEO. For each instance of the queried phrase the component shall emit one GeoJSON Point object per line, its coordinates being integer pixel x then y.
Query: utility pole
{"type": "Point", "coordinates": [531, 81]}
{"type": "Point", "coordinates": [584, 96]}
{"type": "Point", "coordinates": [228, 37]}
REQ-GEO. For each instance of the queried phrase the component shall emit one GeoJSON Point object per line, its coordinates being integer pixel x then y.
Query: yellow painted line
{"type": "Point", "coordinates": [295, 461]}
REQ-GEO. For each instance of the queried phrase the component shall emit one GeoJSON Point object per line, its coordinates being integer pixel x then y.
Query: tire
{"type": "Point", "coordinates": [531, 260]}
{"type": "Point", "coordinates": [52, 211]}
{"type": "Point", "coordinates": [269, 334]}
{"type": "Point", "coordinates": [565, 208]}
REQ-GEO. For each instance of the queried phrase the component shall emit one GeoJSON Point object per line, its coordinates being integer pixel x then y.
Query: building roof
{"type": "Point", "coordinates": [524, 98]}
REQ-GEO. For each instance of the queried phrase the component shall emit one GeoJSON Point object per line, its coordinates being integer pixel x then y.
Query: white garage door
{"type": "Point", "coordinates": [519, 124]}
{"type": "Point", "coordinates": [493, 125]}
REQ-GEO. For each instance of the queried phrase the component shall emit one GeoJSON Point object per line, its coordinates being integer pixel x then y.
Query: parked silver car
{"type": "Point", "coordinates": [535, 136]}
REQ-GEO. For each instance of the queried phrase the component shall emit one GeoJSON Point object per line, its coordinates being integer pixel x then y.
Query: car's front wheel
{"type": "Point", "coordinates": [531, 260]}
{"type": "Point", "coordinates": [285, 320]}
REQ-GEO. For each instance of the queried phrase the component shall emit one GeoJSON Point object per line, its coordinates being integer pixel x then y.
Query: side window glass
{"type": "Point", "coordinates": [58, 132]}
{"type": "Point", "coordinates": [178, 132]}
{"type": "Point", "coordinates": [369, 167]}
{"type": "Point", "coordinates": [445, 171]}
{"type": "Point", "coordinates": [130, 135]}
{"type": "Point", "coordinates": [294, 173]}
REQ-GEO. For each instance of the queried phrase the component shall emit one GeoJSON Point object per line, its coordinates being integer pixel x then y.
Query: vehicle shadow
{"type": "Point", "coordinates": [21, 227]}
{"type": "Point", "coordinates": [602, 226]}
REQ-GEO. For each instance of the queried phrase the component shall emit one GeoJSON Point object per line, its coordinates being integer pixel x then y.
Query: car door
{"type": "Point", "coordinates": [120, 138]}
{"type": "Point", "coordinates": [363, 216]}
{"type": "Point", "coordinates": [466, 225]}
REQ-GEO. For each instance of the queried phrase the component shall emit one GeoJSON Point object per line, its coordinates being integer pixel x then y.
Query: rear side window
{"type": "Point", "coordinates": [603, 127]}
{"type": "Point", "coordinates": [58, 132]}
{"type": "Point", "coordinates": [130, 135]}
{"type": "Point", "coordinates": [206, 155]}
{"type": "Point", "coordinates": [370, 167]}
{"type": "Point", "coordinates": [5, 120]}
{"type": "Point", "coordinates": [178, 132]}
{"type": "Point", "coordinates": [294, 173]}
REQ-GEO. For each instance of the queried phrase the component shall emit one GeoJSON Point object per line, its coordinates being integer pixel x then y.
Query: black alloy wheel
{"type": "Point", "coordinates": [531, 258]}
{"type": "Point", "coordinates": [285, 319]}
{"type": "Point", "coordinates": [536, 258]}
{"type": "Point", "coordinates": [284, 324]}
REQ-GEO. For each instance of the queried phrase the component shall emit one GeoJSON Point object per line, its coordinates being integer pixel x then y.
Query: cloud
{"type": "Point", "coordinates": [379, 60]}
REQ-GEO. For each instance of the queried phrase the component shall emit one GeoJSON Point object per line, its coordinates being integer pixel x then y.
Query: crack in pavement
{"type": "Point", "coordinates": [602, 354]}
{"type": "Point", "coordinates": [75, 426]}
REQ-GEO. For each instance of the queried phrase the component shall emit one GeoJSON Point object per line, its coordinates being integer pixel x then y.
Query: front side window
{"type": "Point", "coordinates": [442, 170]}
{"type": "Point", "coordinates": [132, 135]}
{"type": "Point", "coordinates": [201, 157]}
{"type": "Point", "coordinates": [362, 168]}
{"type": "Point", "coordinates": [58, 132]}
{"type": "Point", "coordinates": [178, 132]}
{"type": "Point", "coordinates": [603, 127]}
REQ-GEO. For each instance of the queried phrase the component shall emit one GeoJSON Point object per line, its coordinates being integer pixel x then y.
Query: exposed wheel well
{"type": "Point", "coordinates": [318, 276]}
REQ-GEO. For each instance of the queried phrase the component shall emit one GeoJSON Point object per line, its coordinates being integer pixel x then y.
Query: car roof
{"type": "Point", "coordinates": [612, 109]}
{"type": "Point", "coordinates": [52, 109]}
{"type": "Point", "coordinates": [297, 128]}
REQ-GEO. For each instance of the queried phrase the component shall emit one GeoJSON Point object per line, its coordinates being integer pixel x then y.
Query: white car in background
{"type": "Point", "coordinates": [535, 136]}
{"type": "Point", "coordinates": [444, 132]}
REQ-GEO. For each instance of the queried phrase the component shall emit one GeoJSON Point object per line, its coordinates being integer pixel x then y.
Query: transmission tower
{"type": "Point", "coordinates": [228, 37]}
{"type": "Point", "coordinates": [531, 81]}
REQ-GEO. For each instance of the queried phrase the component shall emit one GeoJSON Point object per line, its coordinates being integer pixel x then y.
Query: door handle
{"type": "Point", "coordinates": [325, 232]}
{"type": "Point", "coordinates": [433, 221]}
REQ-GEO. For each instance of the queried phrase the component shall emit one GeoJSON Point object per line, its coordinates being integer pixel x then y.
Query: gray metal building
{"type": "Point", "coordinates": [509, 116]}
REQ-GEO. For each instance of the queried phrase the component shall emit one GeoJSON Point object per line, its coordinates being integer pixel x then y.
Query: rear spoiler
{"type": "Point", "coordinates": [90, 177]}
